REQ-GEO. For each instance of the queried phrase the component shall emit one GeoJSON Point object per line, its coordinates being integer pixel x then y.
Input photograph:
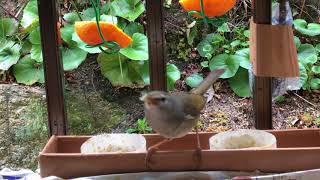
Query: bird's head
{"type": "Point", "coordinates": [155, 99]}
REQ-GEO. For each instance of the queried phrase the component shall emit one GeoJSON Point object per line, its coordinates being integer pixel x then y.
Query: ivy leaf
{"type": "Point", "coordinates": [71, 17]}
{"type": "Point", "coordinates": [315, 83]}
{"type": "Point", "coordinates": [138, 50]}
{"type": "Point", "coordinates": [297, 42]}
{"type": "Point", "coordinates": [303, 75]}
{"type": "Point", "coordinates": [83, 45]}
{"type": "Point", "coordinates": [204, 64]}
{"type": "Point", "coordinates": [316, 69]}
{"type": "Point", "coordinates": [28, 71]}
{"type": "Point", "coordinates": [8, 26]}
{"type": "Point", "coordinates": [243, 56]}
{"type": "Point", "coordinates": [72, 58]}
{"type": "Point", "coordinates": [246, 33]}
{"type": "Point", "coordinates": [209, 44]}
{"type": "Point", "coordinates": [125, 75]}
{"type": "Point", "coordinates": [307, 54]}
{"type": "Point", "coordinates": [9, 54]}
{"type": "Point", "coordinates": [30, 14]}
{"type": "Point", "coordinates": [173, 74]}
{"type": "Point", "coordinates": [192, 35]}
{"type": "Point", "coordinates": [127, 9]}
{"type": "Point", "coordinates": [132, 28]}
{"type": "Point", "coordinates": [224, 28]}
{"type": "Point", "coordinates": [67, 32]}
{"type": "Point", "coordinates": [194, 80]}
{"type": "Point", "coordinates": [311, 29]}
{"type": "Point", "coordinates": [35, 36]}
{"type": "Point", "coordinates": [239, 83]}
{"type": "Point", "coordinates": [36, 53]}
{"type": "Point", "coordinates": [224, 61]}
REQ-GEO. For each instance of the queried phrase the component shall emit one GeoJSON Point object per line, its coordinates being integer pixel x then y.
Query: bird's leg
{"type": "Point", "coordinates": [198, 156]}
{"type": "Point", "coordinates": [152, 150]}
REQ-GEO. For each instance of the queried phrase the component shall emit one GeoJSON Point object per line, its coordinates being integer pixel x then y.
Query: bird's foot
{"type": "Point", "coordinates": [148, 160]}
{"type": "Point", "coordinates": [197, 158]}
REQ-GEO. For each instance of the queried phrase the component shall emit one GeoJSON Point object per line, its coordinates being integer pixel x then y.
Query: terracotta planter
{"type": "Point", "coordinates": [297, 150]}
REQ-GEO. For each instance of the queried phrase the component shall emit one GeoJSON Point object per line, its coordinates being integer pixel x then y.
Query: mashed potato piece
{"type": "Point", "coordinates": [105, 143]}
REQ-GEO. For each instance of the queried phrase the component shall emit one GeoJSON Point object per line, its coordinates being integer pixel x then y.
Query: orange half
{"type": "Point", "coordinates": [88, 33]}
{"type": "Point", "coordinates": [212, 8]}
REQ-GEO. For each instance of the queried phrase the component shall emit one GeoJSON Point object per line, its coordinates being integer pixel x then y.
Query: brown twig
{"type": "Point", "coordinates": [305, 100]}
{"type": "Point", "coordinates": [302, 7]}
{"type": "Point", "coordinates": [9, 13]}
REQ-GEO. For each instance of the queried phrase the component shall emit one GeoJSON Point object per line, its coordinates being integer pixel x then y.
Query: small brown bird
{"type": "Point", "coordinates": [174, 115]}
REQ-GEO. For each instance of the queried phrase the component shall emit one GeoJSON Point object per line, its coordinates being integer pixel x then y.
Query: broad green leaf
{"type": "Point", "coordinates": [83, 45]}
{"type": "Point", "coordinates": [194, 80]}
{"type": "Point", "coordinates": [209, 44]}
{"type": "Point", "coordinates": [311, 29]}
{"type": "Point", "coordinates": [318, 48]}
{"type": "Point", "coordinates": [307, 54]}
{"type": "Point", "coordinates": [66, 33]}
{"type": "Point", "coordinates": [229, 63]}
{"type": "Point", "coordinates": [9, 54]}
{"type": "Point", "coordinates": [303, 74]}
{"type": "Point", "coordinates": [88, 14]}
{"type": "Point", "coordinates": [28, 71]}
{"type": "Point", "coordinates": [138, 50]}
{"type": "Point", "coordinates": [224, 28]}
{"type": "Point", "coordinates": [240, 83]}
{"type": "Point", "coordinates": [315, 83]}
{"type": "Point", "coordinates": [243, 56]}
{"type": "Point", "coordinates": [107, 18]}
{"type": "Point", "coordinates": [192, 35]}
{"type": "Point", "coordinates": [72, 58]}
{"type": "Point", "coordinates": [144, 71]}
{"type": "Point", "coordinates": [71, 17]}
{"type": "Point", "coordinates": [30, 14]}
{"type": "Point", "coordinates": [36, 53]}
{"type": "Point", "coordinates": [297, 41]}
{"type": "Point", "coordinates": [8, 26]}
{"type": "Point", "coordinates": [119, 71]}
{"type": "Point", "coordinates": [132, 28]}
{"type": "Point", "coordinates": [128, 9]}
{"type": "Point", "coordinates": [246, 33]}
{"type": "Point", "coordinates": [35, 36]}
{"type": "Point", "coordinates": [316, 69]}
{"type": "Point", "coordinates": [173, 74]}
{"type": "Point", "coordinates": [235, 43]}
{"type": "Point", "coordinates": [204, 64]}
{"type": "Point", "coordinates": [26, 47]}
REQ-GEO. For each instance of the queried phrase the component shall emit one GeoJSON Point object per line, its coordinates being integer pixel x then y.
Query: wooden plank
{"type": "Point", "coordinates": [157, 55]}
{"type": "Point", "coordinates": [52, 67]}
{"type": "Point", "coordinates": [262, 86]}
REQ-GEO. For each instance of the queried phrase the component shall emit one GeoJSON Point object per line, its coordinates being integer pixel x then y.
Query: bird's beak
{"type": "Point", "coordinates": [144, 98]}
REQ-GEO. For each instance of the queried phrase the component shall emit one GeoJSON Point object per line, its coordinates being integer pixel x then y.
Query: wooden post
{"type": "Point", "coordinates": [52, 67]}
{"type": "Point", "coordinates": [156, 40]}
{"type": "Point", "coordinates": [262, 86]}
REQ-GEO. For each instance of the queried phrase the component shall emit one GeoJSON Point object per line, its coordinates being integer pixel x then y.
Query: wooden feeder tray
{"type": "Point", "coordinates": [297, 150]}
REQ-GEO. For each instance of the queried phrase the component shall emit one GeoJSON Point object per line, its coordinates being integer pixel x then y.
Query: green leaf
{"type": "Point", "coordinates": [194, 80]}
{"type": "Point", "coordinates": [72, 58]}
{"type": "Point", "coordinates": [144, 71]}
{"type": "Point", "coordinates": [204, 64]}
{"type": "Point", "coordinates": [71, 17]}
{"type": "Point", "coordinates": [316, 69]}
{"type": "Point", "coordinates": [128, 9]}
{"type": "Point", "coordinates": [240, 83]}
{"type": "Point", "coordinates": [235, 43]}
{"type": "Point", "coordinates": [26, 47]}
{"type": "Point", "coordinates": [36, 53]}
{"type": "Point", "coordinates": [224, 61]}
{"type": "Point", "coordinates": [307, 54]}
{"type": "Point", "coordinates": [311, 29]}
{"type": "Point", "coordinates": [246, 33]}
{"type": "Point", "coordinates": [132, 28]}
{"type": "Point", "coordinates": [224, 28]}
{"type": "Point", "coordinates": [126, 76]}
{"type": "Point", "coordinates": [315, 83]}
{"type": "Point", "coordinates": [209, 44]}
{"type": "Point", "coordinates": [28, 71]}
{"type": "Point", "coordinates": [192, 35]}
{"type": "Point", "coordinates": [138, 50]}
{"type": "Point", "coordinates": [30, 14]}
{"type": "Point", "coordinates": [9, 54]}
{"type": "Point", "coordinates": [8, 26]}
{"type": "Point", "coordinates": [88, 14]}
{"type": "Point", "coordinates": [67, 32]}
{"type": "Point", "coordinates": [303, 74]}
{"type": "Point", "coordinates": [107, 18]}
{"type": "Point", "coordinates": [297, 41]}
{"type": "Point", "coordinates": [131, 131]}
{"type": "Point", "coordinates": [173, 74]}
{"type": "Point", "coordinates": [83, 45]}
{"type": "Point", "coordinates": [318, 48]}
{"type": "Point", "coordinates": [243, 56]}
{"type": "Point", "coordinates": [35, 36]}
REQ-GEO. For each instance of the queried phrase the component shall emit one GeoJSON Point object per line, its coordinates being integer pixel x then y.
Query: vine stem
{"type": "Point", "coordinates": [120, 65]}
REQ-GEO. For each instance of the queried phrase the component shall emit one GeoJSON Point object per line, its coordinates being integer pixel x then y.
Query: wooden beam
{"type": "Point", "coordinates": [262, 86]}
{"type": "Point", "coordinates": [52, 67]}
{"type": "Point", "coordinates": [156, 40]}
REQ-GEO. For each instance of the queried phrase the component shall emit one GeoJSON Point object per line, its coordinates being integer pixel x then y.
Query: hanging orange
{"type": "Point", "coordinates": [212, 8]}
{"type": "Point", "coordinates": [88, 33]}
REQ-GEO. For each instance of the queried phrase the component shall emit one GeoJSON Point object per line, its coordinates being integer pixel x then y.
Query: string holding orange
{"type": "Point", "coordinates": [88, 32]}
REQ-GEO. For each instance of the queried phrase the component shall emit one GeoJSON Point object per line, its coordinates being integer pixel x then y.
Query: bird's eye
{"type": "Point", "coordinates": [163, 99]}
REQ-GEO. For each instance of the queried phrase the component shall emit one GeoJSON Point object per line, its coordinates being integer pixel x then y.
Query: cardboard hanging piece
{"type": "Point", "coordinates": [272, 50]}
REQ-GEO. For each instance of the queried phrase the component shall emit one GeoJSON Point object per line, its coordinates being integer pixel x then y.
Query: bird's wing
{"type": "Point", "coordinates": [192, 104]}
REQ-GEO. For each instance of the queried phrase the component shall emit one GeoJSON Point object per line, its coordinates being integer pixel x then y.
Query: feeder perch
{"type": "Point", "coordinates": [272, 51]}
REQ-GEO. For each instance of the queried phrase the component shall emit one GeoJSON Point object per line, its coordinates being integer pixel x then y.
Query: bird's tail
{"type": "Point", "coordinates": [208, 81]}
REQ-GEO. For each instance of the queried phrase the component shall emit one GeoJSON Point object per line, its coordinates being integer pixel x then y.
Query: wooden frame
{"type": "Point", "coordinates": [57, 118]}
